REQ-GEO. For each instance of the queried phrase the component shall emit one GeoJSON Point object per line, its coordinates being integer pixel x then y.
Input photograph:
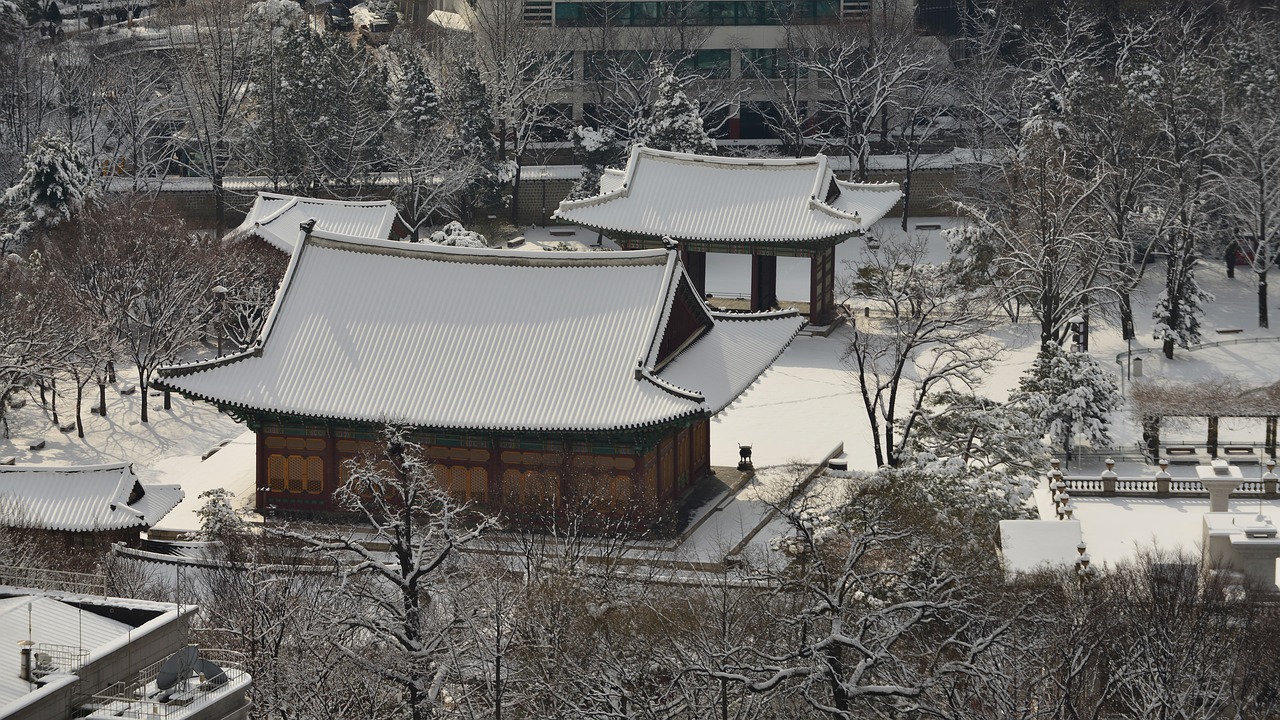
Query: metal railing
{"type": "Point", "coordinates": [55, 580]}
{"type": "Point", "coordinates": [49, 658]}
{"type": "Point", "coordinates": [1120, 357]}
{"type": "Point", "coordinates": [139, 697]}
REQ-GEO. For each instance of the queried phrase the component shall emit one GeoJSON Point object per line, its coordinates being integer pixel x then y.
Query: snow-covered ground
{"type": "Point", "coordinates": [162, 450]}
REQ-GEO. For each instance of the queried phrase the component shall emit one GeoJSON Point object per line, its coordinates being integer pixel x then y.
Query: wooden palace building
{"type": "Point", "coordinates": [768, 208]}
{"type": "Point", "coordinates": [534, 380]}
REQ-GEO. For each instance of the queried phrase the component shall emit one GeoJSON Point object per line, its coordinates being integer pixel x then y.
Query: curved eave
{"type": "Point", "coordinates": [795, 240]}
{"type": "Point", "coordinates": [240, 409]}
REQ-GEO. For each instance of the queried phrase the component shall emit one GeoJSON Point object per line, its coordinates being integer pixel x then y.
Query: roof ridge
{"type": "Point", "coordinates": [65, 468]}
{"type": "Point", "coordinates": [497, 256]}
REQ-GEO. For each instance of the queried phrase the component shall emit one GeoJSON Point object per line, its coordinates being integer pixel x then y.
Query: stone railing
{"type": "Point", "coordinates": [1062, 486]}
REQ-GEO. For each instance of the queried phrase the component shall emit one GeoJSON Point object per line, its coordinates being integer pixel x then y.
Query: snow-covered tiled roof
{"type": "Point", "coordinates": [463, 338]}
{"type": "Point", "coordinates": [697, 197]}
{"type": "Point", "coordinates": [82, 499]}
{"type": "Point", "coordinates": [275, 218]}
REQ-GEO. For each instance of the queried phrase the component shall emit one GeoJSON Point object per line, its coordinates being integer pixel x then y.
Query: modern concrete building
{"type": "Point", "coordinates": [67, 655]}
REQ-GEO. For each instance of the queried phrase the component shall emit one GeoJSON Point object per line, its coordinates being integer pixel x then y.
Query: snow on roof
{"type": "Point", "coordinates": [697, 197]}
{"type": "Point", "coordinates": [83, 499]}
{"type": "Point", "coordinates": [48, 621]}
{"type": "Point", "coordinates": [448, 20]}
{"type": "Point", "coordinates": [232, 468]}
{"type": "Point", "coordinates": [464, 338]}
{"type": "Point", "coordinates": [275, 218]}
{"type": "Point", "coordinates": [726, 362]}
{"type": "Point", "coordinates": [1029, 545]}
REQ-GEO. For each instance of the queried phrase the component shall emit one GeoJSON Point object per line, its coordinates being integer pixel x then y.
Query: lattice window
{"type": "Point", "coordinates": [297, 472]}
{"type": "Point", "coordinates": [315, 475]}
{"type": "Point", "coordinates": [480, 485]}
{"type": "Point", "coordinates": [276, 473]}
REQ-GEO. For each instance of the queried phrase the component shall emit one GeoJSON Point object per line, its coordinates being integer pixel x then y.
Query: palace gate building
{"type": "Point", "coordinates": [766, 208]}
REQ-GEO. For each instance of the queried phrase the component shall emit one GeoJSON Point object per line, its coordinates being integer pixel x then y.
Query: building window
{"type": "Point", "coordinates": [644, 13]}
{"type": "Point", "coordinates": [708, 63]}
{"type": "Point", "coordinates": [295, 474]}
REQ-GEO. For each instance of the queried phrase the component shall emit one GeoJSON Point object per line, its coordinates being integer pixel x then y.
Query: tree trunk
{"type": "Point", "coordinates": [906, 197]}
{"type": "Point", "coordinates": [219, 216]}
{"type": "Point", "coordinates": [1168, 347]}
{"type": "Point", "coordinates": [839, 698]}
{"type": "Point", "coordinates": [102, 399]}
{"type": "Point", "coordinates": [168, 401]}
{"type": "Point", "coordinates": [515, 194]}
{"type": "Point", "coordinates": [1262, 299]}
{"type": "Point", "coordinates": [142, 390]}
{"type": "Point", "coordinates": [1126, 317]}
{"type": "Point", "coordinates": [79, 405]}
{"type": "Point", "coordinates": [53, 391]}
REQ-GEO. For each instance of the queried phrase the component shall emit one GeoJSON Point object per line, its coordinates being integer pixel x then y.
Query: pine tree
{"type": "Point", "coordinates": [54, 184]}
{"type": "Point", "coordinates": [417, 105]}
{"type": "Point", "coordinates": [467, 107]}
{"type": "Point", "coordinates": [1069, 393]}
{"type": "Point", "coordinates": [598, 149]}
{"type": "Point", "coordinates": [674, 123]}
{"type": "Point", "coordinates": [1177, 313]}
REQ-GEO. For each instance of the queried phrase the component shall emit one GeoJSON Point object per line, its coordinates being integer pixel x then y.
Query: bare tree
{"type": "Point", "coordinates": [932, 339]}
{"type": "Point", "coordinates": [1182, 84]}
{"type": "Point", "coordinates": [394, 496]}
{"type": "Point", "coordinates": [525, 71]}
{"type": "Point", "coordinates": [886, 622]}
{"type": "Point", "coordinates": [211, 53]}
{"type": "Point", "coordinates": [137, 108]}
{"type": "Point", "coordinates": [30, 340]}
{"type": "Point", "coordinates": [1249, 179]}
{"type": "Point", "coordinates": [865, 69]}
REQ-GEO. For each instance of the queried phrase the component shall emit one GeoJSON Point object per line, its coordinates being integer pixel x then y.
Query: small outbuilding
{"type": "Point", "coordinates": [768, 208]}
{"type": "Point", "coordinates": [83, 507]}
{"type": "Point", "coordinates": [274, 218]}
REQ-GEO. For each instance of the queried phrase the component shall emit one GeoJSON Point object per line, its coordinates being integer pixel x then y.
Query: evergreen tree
{"type": "Point", "coordinates": [598, 149]}
{"type": "Point", "coordinates": [54, 184]}
{"type": "Point", "coordinates": [674, 123]}
{"type": "Point", "coordinates": [53, 14]}
{"type": "Point", "coordinates": [414, 97]}
{"type": "Point", "coordinates": [1177, 311]}
{"type": "Point", "coordinates": [1069, 393]}
{"type": "Point", "coordinates": [468, 110]}
{"type": "Point", "coordinates": [278, 30]}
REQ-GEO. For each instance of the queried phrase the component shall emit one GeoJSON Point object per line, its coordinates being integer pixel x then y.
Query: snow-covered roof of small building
{"type": "Point", "coordinates": [232, 468]}
{"type": "Point", "coordinates": [463, 338]}
{"type": "Point", "coordinates": [84, 499]}
{"type": "Point", "coordinates": [1030, 545]}
{"type": "Point", "coordinates": [275, 218]}
{"type": "Point", "coordinates": [698, 197]}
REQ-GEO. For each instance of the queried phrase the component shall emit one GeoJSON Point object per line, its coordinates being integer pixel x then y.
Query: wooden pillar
{"type": "Point", "coordinates": [331, 465]}
{"type": "Point", "coordinates": [822, 286]}
{"type": "Point", "coordinates": [764, 282]}
{"type": "Point", "coordinates": [260, 494]}
{"type": "Point", "coordinates": [1213, 437]}
{"type": "Point", "coordinates": [496, 495]}
{"type": "Point", "coordinates": [1271, 436]}
{"type": "Point", "coordinates": [695, 263]}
